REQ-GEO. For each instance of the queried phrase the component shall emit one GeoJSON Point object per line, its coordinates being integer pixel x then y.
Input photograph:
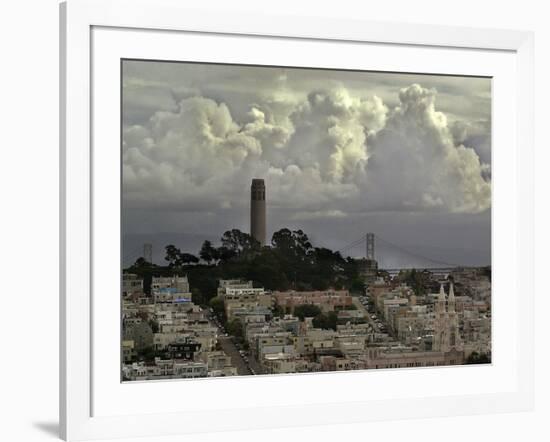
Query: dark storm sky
{"type": "Point", "coordinates": [342, 153]}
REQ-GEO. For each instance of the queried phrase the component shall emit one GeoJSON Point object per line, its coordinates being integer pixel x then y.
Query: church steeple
{"type": "Point", "coordinates": [452, 301]}
{"type": "Point", "coordinates": [446, 322]}
{"type": "Point", "coordinates": [440, 303]}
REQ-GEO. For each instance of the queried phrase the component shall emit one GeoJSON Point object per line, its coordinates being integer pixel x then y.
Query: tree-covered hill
{"type": "Point", "coordinates": [290, 262]}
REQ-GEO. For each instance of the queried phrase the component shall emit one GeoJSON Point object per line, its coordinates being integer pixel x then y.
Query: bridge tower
{"type": "Point", "coordinates": [371, 265]}
{"type": "Point", "coordinates": [370, 245]}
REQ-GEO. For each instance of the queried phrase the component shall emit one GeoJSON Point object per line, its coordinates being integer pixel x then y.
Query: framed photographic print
{"type": "Point", "coordinates": [226, 274]}
{"type": "Point", "coordinates": [322, 219]}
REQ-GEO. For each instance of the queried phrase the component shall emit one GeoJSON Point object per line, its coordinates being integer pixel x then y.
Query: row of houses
{"type": "Point", "coordinates": [413, 319]}
{"type": "Point", "coordinates": [166, 335]}
{"type": "Point", "coordinates": [431, 329]}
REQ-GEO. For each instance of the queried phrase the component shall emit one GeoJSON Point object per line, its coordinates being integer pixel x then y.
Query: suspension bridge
{"type": "Point", "coordinates": [400, 257]}
{"type": "Point", "coordinates": [389, 255]}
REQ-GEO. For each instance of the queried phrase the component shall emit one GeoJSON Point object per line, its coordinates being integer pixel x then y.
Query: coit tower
{"type": "Point", "coordinates": [257, 210]}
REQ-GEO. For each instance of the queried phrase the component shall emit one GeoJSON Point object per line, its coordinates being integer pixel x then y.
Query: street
{"type": "Point", "coordinates": [228, 346]}
{"type": "Point", "coordinates": [236, 359]}
{"type": "Point", "coordinates": [364, 310]}
{"type": "Point", "coordinates": [373, 324]}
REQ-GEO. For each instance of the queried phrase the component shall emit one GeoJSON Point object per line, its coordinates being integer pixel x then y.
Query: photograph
{"type": "Point", "coordinates": [290, 220]}
{"type": "Point", "coordinates": [275, 222]}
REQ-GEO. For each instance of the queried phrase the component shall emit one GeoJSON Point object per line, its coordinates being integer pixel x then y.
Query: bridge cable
{"type": "Point", "coordinates": [417, 255]}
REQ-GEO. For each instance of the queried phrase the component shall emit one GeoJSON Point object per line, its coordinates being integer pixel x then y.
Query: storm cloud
{"type": "Point", "coordinates": [332, 147]}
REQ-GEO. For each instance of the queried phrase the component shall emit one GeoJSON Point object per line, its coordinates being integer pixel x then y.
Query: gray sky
{"type": "Point", "coordinates": [405, 156]}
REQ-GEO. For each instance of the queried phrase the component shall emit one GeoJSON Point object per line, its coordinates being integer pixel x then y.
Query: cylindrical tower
{"type": "Point", "coordinates": [257, 210]}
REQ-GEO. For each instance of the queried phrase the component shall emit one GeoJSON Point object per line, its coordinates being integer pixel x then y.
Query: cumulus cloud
{"type": "Point", "coordinates": [331, 133]}
{"type": "Point", "coordinates": [321, 154]}
{"type": "Point", "coordinates": [189, 158]}
{"type": "Point", "coordinates": [417, 163]}
{"type": "Point", "coordinates": [476, 134]}
{"type": "Point", "coordinates": [324, 152]}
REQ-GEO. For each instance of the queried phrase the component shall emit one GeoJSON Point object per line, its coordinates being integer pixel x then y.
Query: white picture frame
{"type": "Point", "coordinates": [89, 405]}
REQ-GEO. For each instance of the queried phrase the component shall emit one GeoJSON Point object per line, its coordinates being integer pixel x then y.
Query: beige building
{"type": "Point", "coordinates": [406, 358]}
{"type": "Point", "coordinates": [132, 285]}
{"type": "Point", "coordinates": [176, 282]}
{"type": "Point", "coordinates": [241, 296]}
{"type": "Point", "coordinates": [326, 300]}
{"type": "Point", "coordinates": [128, 352]}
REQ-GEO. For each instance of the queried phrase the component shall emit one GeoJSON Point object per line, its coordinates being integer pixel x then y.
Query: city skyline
{"type": "Point", "coordinates": [282, 220]}
{"type": "Point", "coordinates": [343, 153]}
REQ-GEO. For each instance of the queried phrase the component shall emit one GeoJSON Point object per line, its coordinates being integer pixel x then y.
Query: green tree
{"type": "Point", "coordinates": [306, 311]}
{"type": "Point", "coordinates": [217, 305]}
{"type": "Point", "coordinates": [282, 240]}
{"type": "Point", "coordinates": [294, 244]}
{"type": "Point", "coordinates": [225, 254]}
{"type": "Point", "coordinates": [291, 262]}
{"type": "Point", "coordinates": [319, 282]}
{"type": "Point", "coordinates": [326, 321]}
{"type": "Point", "coordinates": [141, 263]}
{"type": "Point", "coordinates": [235, 328]}
{"type": "Point", "coordinates": [295, 256]}
{"type": "Point", "coordinates": [176, 259]}
{"type": "Point", "coordinates": [303, 245]}
{"type": "Point", "coordinates": [208, 252]}
{"type": "Point", "coordinates": [154, 325]}
{"type": "Point", "coordinates": [197, 297]}
{"type": "Point", "coordinates": [187, 258]}
{"type": "Point", "coordinates": [204, 279]}
{"type": "Point", "coordinates": [239, 242]}
{"type": "Point", "coordinates": [146, 354]}
{"type": "Point", "coordinates": [278, 311]}
{"type": "Point", "coordinates": [478, 358]}
{"type": "Point", "coordinates": [357, 285]}
{"type": "Point", "coordinates": [172, 255]}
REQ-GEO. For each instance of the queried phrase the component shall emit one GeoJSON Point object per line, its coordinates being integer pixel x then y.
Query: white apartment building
{"type": "Point", "coordinates": [180, 283]}
{"type": "Point", "coordinates": [225, 284]}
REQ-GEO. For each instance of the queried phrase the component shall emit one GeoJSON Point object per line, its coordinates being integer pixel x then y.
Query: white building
{"type": "Point", "coordinates": [236, 284]}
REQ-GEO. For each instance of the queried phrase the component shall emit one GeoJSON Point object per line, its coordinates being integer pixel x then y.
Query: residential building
{"type": "Point", "coordinates": [326, 300]}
